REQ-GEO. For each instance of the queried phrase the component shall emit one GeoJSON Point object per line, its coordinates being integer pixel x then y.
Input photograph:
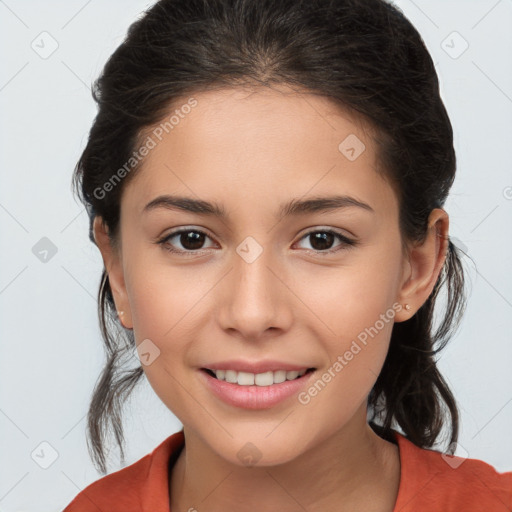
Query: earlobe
{"type": "Point", "coordinates": [114, 268]}
{"type": "Point", "coordinates": [426, 261]}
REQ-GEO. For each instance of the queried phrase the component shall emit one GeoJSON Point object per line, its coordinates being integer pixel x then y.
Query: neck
{"type": "Point", "coordinates": [352, 469]}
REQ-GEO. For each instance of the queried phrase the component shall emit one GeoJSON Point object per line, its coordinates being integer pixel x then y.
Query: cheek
{"type": "Point", "coordinates": [162, 296]}
{"type": "Point", "coordinates": [161, 311]}
{"type": "Point", "coordinates": [167, 307]}
{"type": "Point", "coordinates": [355, 328]}
{"type": "Point", "coordinates": [348, 299]}
{"type": "Point", "coordinates": [352, 309]}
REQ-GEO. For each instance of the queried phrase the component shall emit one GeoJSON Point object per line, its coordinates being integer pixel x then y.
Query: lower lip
{"type": "Point", "coordinates": [255, 397]}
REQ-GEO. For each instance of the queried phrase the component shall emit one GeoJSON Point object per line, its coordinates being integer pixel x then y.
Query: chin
{"type": "Point", "coordinates": [257, 446]}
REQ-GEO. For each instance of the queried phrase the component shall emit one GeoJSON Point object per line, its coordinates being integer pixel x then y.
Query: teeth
{"type": "Point", "coordinates": [230, 376]}
{"type": "Point", "coordinates": [245, 379]}
{"type": "Point", "coordinates": [258, 379]}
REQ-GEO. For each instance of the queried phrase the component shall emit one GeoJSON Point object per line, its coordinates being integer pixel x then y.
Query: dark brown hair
{"type": "Point", "coordinates": [366, 57]}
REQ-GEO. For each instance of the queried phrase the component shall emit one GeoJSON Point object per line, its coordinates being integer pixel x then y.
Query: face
{"type": "Point", "coordinates": [311, 288]}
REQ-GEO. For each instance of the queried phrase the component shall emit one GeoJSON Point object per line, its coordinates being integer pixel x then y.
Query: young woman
{"type": "Point", "coordinates": [265, 180]}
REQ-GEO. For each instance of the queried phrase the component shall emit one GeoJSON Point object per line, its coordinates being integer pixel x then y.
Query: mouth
{"type": "Point", "coordinates": [257, 379]}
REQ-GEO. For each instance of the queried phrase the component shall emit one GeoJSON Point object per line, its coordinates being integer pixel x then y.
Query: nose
{"type": "Point", "coordinates": [255, 301]}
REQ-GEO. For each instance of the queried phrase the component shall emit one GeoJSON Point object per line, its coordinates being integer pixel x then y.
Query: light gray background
{"type": "Point", "coordinates": [51, 347]}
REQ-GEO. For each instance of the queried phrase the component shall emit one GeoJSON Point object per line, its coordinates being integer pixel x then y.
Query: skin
{"type": "Point", "coordinates": [250, 151]}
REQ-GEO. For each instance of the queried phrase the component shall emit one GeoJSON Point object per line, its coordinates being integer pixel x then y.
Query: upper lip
{"type": "Point", "coordinates": [256, 366]}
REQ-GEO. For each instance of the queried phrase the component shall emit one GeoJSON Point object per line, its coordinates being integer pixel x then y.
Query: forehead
{"type": "Point", "coordinates": [260, 143]}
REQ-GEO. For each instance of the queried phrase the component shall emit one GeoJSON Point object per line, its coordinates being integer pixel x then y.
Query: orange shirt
{"type": "Point", "coordinates": [429, 482]}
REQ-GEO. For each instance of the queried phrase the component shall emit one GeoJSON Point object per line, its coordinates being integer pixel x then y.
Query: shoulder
{"type": "Point", "coordinates": [142, 485]}
{"type": "Point", "coordinates": [432, 481]}
{"type": "Point", "coordinates": [121, 488]}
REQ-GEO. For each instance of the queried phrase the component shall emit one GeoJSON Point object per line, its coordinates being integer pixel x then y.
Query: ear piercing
{"type": "Point", "coordinates": [120, 318]}
{"type": "Point", "coordinates": [407, 307]}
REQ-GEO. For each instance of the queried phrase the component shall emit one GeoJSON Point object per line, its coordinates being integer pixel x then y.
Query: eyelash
{"type": "Point", "coordinates": [347, 243]}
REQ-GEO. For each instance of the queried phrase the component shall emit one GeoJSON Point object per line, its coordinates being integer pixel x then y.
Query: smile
{"type": "Point", "coordinates": [259, 379]}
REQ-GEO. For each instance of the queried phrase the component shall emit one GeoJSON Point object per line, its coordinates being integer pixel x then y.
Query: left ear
{"type": "Point", "coordinates": [425, 261]}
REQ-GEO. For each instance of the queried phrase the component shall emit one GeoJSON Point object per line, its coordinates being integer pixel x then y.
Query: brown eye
{"type": "Point", "coordinates": [323, 240]}
{"type": "Point", "coordinates": [190, 240]}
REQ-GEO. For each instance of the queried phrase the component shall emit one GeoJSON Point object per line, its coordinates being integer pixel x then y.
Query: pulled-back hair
{"type": "Point", "coordinates": [364, 56]}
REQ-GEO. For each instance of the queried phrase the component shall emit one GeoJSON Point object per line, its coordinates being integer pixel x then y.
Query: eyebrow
{"type": "Point", "coordinates": [293, 207]}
